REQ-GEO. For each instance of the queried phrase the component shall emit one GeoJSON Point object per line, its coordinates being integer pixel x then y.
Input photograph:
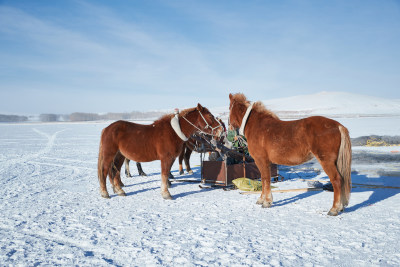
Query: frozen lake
{"type": "Point", "coordinates": [52, 212]}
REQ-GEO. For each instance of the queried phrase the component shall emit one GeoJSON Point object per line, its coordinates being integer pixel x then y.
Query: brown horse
{"type": "Point", "coordinates": [271, 140]}
{"type": "Point", "coordinates": [144, 143]}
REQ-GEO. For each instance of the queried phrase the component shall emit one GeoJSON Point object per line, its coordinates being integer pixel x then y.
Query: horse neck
{"type": "Point", "coordinates": [256, 117]}
{"type": "Point", "coordinates": [239, 114]}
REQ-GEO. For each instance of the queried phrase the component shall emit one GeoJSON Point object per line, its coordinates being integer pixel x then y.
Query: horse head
{"type": "Point", "coordinates": [208, 123]}
{"type": "Point", "coordinates": [237, 108]}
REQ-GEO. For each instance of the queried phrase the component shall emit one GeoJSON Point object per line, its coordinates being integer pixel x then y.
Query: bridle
{"type": "Point", "coordinates": [208, 126]}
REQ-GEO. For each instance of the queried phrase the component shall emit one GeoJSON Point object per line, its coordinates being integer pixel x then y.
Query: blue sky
{"type": "Point", "coordinates": [121, 56]}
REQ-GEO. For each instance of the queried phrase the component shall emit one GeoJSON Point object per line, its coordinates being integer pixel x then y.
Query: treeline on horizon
{"type": "Point", "coordinates": [82, 116]}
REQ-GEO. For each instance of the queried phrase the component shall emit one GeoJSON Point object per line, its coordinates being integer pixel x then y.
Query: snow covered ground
{"type": "Point", "coordinates": [52, 212]}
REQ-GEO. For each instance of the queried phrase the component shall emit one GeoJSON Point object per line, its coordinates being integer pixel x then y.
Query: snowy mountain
{"type": "Point", "coordinates": [332, 104]}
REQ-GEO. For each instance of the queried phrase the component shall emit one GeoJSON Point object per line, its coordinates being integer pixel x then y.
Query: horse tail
{"type": "Point", "coordinates": [343, 164]}
{"type": "Point", "coordinates": [100, 161]}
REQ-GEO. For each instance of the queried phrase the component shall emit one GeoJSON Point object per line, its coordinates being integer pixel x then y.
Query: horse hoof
{"type": "Point", "coordinates": [181, 172]}
{"type": "Point", "coordinates": [333, 213]}
{"type": "Point", "coordinates": [190, 172]}
{"type": "Point", "coordinates": [119, 191]}
{"type": "Point", "coordinates": [266, 204]}
{"type": "Point", "coordinates": [105, 195]}
{"type": "Point", "coordinates": [142, 174]}
{"type": "Point", "coordinates": [166, 196]}
{"type": "Point", "coordinates": [260, 201]}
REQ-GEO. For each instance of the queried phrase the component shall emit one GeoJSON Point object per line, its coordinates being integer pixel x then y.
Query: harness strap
{"type": "Point", "coordinates": [177, 128]}
{"type": "Point", "coordinates": [244, 120]}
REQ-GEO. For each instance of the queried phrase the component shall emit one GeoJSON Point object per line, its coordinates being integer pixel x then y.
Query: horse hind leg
{"type": "Point", "coordinates": [115, 175]}
{"type": "Point", "coordinates": [105, 162]}
{"type": "Point", "coordinates": [335, 178]}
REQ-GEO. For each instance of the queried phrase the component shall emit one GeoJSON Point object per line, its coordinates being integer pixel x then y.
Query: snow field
{"type": "Point", "coordinates": [52, 214]}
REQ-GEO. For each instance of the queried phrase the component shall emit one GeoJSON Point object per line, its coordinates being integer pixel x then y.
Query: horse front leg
{"type": "Point", "coordinates": [166, 165]}
{"type": "Point", "coordinates": [127, 171]}
{"type": "Point", "coordinates": [266, 196]}
{"type": "Point", "coordinates": [140, 170]}
{"type": "Point", "coordinates": [187, 160]}
{"type": "Point", "coordinates": [180, 159]}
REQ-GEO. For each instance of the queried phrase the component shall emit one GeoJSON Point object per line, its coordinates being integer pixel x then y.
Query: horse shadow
{"type": "Point", "coordinates": [175, 182]}
{"type": "Point", "coordinates": [295, 198]}
{"type": "Point", "coordinates": [142, 191]}
{"type": "Point", "coordinates": [360, 185]}
{"type": "Point", "coordinates": [184, 194]}
{"type": "Point", "coordinates": [378, 194]}
{"type": "Point", "coordinates": [142, 183]}
{"type": "Point", "coordinates": [176, 196]}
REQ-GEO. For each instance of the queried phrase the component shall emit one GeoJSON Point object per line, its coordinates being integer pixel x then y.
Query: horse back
{"type": "Point", "coordinates": [302, 130]}
{"type": "Point", "coordinates": [293, 142]}
{"type": "Point", "coordinates": [138, 142]}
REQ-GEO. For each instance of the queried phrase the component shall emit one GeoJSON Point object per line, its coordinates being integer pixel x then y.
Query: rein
{"type": "Point", "coordinates": [207, 125]}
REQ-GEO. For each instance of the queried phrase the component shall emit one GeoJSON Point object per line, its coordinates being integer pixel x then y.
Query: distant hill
{"type": "Point", "coordinates": [12, 118]}
{"type": "Point", "coordinates": [332, 104]}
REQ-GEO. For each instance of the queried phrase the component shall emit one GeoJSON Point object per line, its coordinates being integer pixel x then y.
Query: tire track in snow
{"type": "Point", "coordinates": [26, 158]}
{"type": "Point", "coordinates": [50, 142]}
{"type": "Point", "coordinates": [101, 253]}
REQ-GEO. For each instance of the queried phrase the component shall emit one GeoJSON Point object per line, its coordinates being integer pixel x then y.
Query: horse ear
{"type": "Point", "coordinates": [199, 107]}
{"type": "Point", "coordinates": [230, 97]}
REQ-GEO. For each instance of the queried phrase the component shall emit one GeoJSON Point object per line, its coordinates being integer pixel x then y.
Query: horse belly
{"type": "Point", "coordinates": [290, 157]}
{"type": "Point", "coordinates": [139, 155]}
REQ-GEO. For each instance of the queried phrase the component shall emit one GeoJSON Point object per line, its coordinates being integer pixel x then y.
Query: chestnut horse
{"type": "Point", "coordinates": [144, 143]}
{"type": "Point", "coordinates": [271, 140]}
